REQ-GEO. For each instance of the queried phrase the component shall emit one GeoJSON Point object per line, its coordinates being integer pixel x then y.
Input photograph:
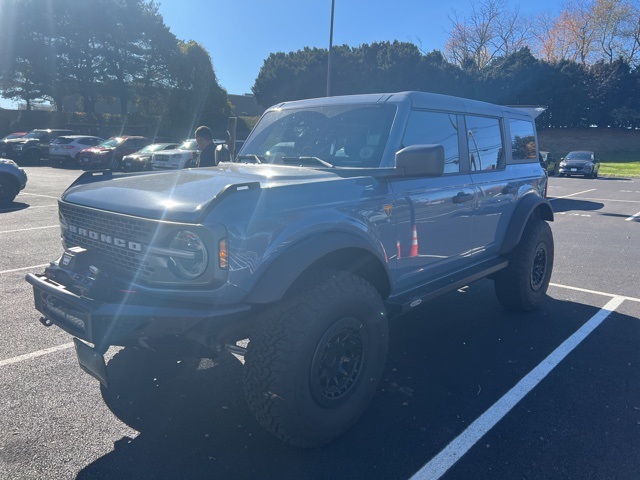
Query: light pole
{"type": "Point", "coordinates": [330, 48]}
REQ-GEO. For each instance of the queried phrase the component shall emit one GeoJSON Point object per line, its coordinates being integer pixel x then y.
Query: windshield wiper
{"type": "Point", "coordinates": [250, 156]}
{"type": "Point", "coordinates": [306, 160]}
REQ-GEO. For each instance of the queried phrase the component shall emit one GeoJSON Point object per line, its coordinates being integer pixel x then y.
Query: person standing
{"type": "Point", "coordinates": [204, 138]}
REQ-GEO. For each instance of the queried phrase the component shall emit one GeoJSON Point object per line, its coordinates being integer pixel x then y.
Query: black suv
{"type": "Point", "coordinates": [32, 147]}
{"type": "Point", "coordinates": [337, 215]}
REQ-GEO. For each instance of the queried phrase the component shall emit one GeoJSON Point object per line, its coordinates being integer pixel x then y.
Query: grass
{"type": "Point", "coordinates": [620, 169]}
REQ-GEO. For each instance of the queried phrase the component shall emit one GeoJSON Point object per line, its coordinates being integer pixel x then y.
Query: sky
{"type": "Point", "coordinates": [240, 34]}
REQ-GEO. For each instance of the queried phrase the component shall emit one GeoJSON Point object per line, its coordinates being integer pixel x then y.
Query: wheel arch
{"type": "Point", "coordinates": [321, 251]}
{"type": "Point", "coordinates": [530, 206]}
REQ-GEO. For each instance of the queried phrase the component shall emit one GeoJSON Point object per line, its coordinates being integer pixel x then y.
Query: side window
{"type": "Point", "coordinates": [523, 140]}
{"type": "Point", "coordinates": [426, 128]}
{"type": "Point", "coordinates": [486, 150]}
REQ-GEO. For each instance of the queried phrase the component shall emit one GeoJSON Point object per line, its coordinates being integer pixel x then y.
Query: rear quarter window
{"type": "Point", "coordinates": [523, 140]}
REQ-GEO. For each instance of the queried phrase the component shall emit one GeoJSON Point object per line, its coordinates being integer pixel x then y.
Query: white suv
{"type": "Point", "coordinates": [64, 150]}
{"type": "Point", "coordinates": [184, 156]}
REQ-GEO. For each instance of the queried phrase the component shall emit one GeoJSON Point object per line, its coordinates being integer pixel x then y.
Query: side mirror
{"type": "Point", "coordinates": [421, 160]}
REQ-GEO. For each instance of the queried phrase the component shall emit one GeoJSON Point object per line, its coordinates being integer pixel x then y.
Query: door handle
{"type": "Point", "coordinates": [462, 197]}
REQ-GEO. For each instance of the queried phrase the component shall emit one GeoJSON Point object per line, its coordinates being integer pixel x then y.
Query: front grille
{"type": "Point", "coordinates": [119, 241]}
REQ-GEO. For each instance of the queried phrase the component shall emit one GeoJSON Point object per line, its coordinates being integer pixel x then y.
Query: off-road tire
{"type": "Point", "coordinates": [32, 156]}
{"type": "Point", "coordinates": [523, 284]}
{"type": "Point", "coordinates": [317, 357]}
{"type": "Point", "coordinates": [8, 189]}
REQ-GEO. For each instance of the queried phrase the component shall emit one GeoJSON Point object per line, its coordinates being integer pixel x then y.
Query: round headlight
{"type": "Point", "coordinates": [190, 258]}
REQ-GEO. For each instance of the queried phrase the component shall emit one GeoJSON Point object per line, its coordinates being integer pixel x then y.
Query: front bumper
{"type": "Point", "coordinates": [124, 320]}
{"type": "Point", "coordinates": [575, 171]}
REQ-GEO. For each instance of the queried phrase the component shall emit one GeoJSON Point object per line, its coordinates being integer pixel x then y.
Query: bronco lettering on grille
{"type": "Point", "coordinates": [104, 238]}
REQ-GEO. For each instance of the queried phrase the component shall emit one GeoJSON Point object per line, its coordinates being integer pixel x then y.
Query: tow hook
{"type": "Point", "coordinates": [45, 321]}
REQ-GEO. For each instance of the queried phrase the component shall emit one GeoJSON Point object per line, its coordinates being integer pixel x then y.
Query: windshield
{"type": "Point", "coordinates": [188, 145]}
{"type": "Point", "coordinates": [35, 134]}
{"type": "Point", "coordinates": [112, 142]}
{"type": "Point", "coordinates": [345, 135]}
{"type": "Point", "coordinates": [154, 147]}
{"type": "Point", "coordinates": [579, 156]}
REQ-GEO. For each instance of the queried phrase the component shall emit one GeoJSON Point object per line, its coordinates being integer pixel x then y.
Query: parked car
{"type": "Point", "coordinates": [12, 180]}
{"type": "Point", "coordinates": [65, 150]}
{"type": "Point", "coordinates": [185, 156]}
{"type": "Point", "coordinates": [31, 147]}
{"type": "Point", "coordinates": [13, 135]}
{"type": "Point", "coordinates": [548, 162]}
{"type": "Point", "coordinates": [109, 153]}
{"type": "Point", "coordinates": [580, 162]}
{"type": "Point", "coordinates": [141, 160]}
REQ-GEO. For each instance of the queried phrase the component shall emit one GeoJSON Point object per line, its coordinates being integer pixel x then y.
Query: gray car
{"type": "Point", "coordinates": [579, 162]}
{"type": "Point", "coordinates": [12, 180]}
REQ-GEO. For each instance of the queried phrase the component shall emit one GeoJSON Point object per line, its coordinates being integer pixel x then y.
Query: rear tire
{"type": "Point", "coordinates": [316, 358]}
{"type": "Point", "coordinates": [523, 284]}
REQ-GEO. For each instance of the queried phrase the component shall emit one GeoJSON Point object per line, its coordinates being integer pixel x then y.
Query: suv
{"type": "Point", "coordinates": [337, 214]}
{"type": "Point", "coordinates": [109, 153]}
{"type": "Point", "coordinates": [31, 147]}
{"type": "Point", "coordinates": [64, 150]}
{"type": "Point", "coordinates": [12, 180]}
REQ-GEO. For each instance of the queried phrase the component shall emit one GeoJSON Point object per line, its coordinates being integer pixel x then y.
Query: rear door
{"type": "Point", "coordinates": [497, 184]}
{"type": "Point", "coordinates": [434, 214]}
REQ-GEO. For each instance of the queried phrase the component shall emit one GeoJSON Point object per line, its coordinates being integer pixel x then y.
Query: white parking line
{"type": "Point", "coordinates": [573, 194]}
{"type": "Point", "coordinates": [24, 268]}
{"type": "Point", "coordinates": [442, 462]}
{"type": "Point", "coordinates": [632, 217]}
{"type": "Point", "coordinates": [39, 195]}
{"type": "Point", "coordinates": [39, 353]}
{"type": "Point", "coordinates": [27, 229]}
{"type": "Point", "coordinates": [595, 292]}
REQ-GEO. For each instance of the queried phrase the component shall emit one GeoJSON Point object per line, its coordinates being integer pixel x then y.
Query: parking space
{"type": "Point", "coordinates": [470, 390]}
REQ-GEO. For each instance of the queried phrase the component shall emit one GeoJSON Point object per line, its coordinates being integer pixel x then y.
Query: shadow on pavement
{"type": "Point", "coordinates": [570, 204]}
{"type": "Point", "coordinates": [449, 361]}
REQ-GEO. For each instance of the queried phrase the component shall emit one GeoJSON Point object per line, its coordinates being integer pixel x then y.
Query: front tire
{"type": "Point", "coordinates": [8, 189]}
{"type": "Point", "coordinates": [523, 284]}
{"type": "Point", "coordinates": [316, 358]}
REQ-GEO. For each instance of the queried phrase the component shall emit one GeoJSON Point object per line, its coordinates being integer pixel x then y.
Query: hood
{"type": "Point", "coordinates": [576, 162]}
{"type": "Point", "coordinates": [99, 149]}
{"type": "Point", "coordinates": [20, 141]}
{"type": "Point", "coordinates": [180, 195]}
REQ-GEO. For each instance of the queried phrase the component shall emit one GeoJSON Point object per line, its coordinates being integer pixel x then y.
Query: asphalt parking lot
{"type": "Point", "coordinates": [471, 391]}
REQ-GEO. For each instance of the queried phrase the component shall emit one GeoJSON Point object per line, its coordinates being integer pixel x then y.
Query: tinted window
{"type": "Point", "coordinates": [523, 140]}
{"type": "Point", "coordinates": [485, 143]}
{"type": "Point", "coordinates": [427, 128]}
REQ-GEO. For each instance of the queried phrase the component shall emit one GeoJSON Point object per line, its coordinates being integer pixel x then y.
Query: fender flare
{"type": "Point", "coordinates": [528, 206]}
{"type": "Point", "coordinates": [283, 271]}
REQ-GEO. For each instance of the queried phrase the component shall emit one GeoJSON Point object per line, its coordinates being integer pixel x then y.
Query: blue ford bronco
{"type": "Point", "coordinates": [337, 215]}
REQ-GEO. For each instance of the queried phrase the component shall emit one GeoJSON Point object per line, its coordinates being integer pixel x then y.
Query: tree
{"type": "Point", "coordinates": [196, 98]}
{"type": "Point", "coordinates": [490, 30]}
{"type": "Point", "coordinates": [27, 59]}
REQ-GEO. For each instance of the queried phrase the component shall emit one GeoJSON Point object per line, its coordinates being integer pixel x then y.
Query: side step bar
{"type": "Point", "coordinates": [406, 301]}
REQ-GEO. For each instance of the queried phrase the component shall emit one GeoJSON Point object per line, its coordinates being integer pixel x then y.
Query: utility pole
{"type": "Point", "coordinates": [330, 49]}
